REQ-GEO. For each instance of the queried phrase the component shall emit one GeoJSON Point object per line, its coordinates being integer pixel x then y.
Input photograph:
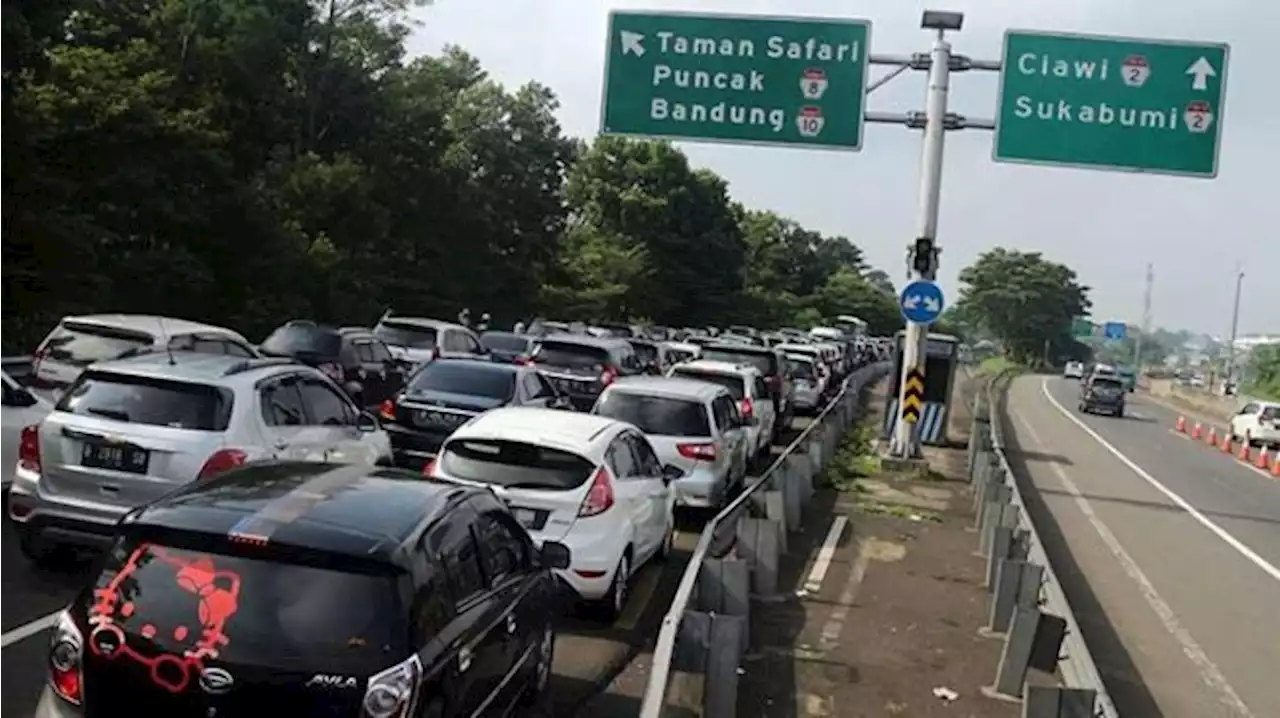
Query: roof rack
{"type": "Point", "coordinates": [241, 367]}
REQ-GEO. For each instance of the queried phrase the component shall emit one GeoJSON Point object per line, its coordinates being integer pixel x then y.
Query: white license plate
{"type": "Point", "coordinates": [524, 516]}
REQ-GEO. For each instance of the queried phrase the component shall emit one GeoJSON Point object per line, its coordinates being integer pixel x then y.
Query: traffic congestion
{"type": "Point", "coordinates": [378, 521]}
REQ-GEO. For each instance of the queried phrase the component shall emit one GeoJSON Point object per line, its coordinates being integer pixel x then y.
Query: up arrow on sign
{"type": "Point", "coordinates": [1202, 70]}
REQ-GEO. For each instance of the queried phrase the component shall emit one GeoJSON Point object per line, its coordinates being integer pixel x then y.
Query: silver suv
{"type": "Point", "coordinates": [131, 430]}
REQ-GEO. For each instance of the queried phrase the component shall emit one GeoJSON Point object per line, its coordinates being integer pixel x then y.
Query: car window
{"type": "Point", "coordinates": [364, 351]}
{"type": "Point", "coordinates": [535, 387]}
{"type": "Point", "coordinates": [325, 406]}
{"type": "Point", "coordinates": [570, 355]}
{"type": "Point", "coordinates": [621, 459]}
{"type": "Point", "coordinates": [1107, 382]}
{"type": "Point", "coordinates": [380, 351]}
{"type": "Point", "coordinates": [461, 559]}
{"type": "Point", "coordinates": [1249, 409]}
{"type": "Point", "coordinates": [282, 404]}
{"type": "Point", "coordinates": [494, 381]}
{"type": "Point", "coordinates": [645, 353]}
{"type": "Point", "coordinates": [732, 382]}
{"type": "Point", "coordinates": [761, 387]}
{"type": "Point", "coordinates": [503, 342]}
{"type": "Point", "coordinates": [431, 608]}
{"type": "Point", "coordinates": [503, 546]}
{"type": "Point", "coordinates": [801, 369]}
{"type": "Point", "coordinates": [469, 343]}
{"type": "Point", "coordinates": [83, 344]}
{"type": "Point", "coordinates": [723, 407]}
{"type": "Point", "coordinates": [646, 459]}
{"type": "Point", "coordinates": [403, 334]}
{"type": "Point", "coordinates": [149, 401]}
{"type": "Point", "coordinates": [1270, 413]}
{"type": "Point", "coordinates": [269, 612]}
{"type": "Point", "coordinates": [763, 361]}
{"type": "Point", "coordinates": [657, 415]}
{"type": "Point", "coordinates": [514, 463]}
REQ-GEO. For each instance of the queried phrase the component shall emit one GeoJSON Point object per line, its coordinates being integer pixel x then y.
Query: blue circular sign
{"type": "Point", "coordinates": [921, 302]}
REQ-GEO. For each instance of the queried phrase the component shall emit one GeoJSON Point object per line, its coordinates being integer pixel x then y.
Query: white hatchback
{"type": "Point", "coordinates": [592, 483]}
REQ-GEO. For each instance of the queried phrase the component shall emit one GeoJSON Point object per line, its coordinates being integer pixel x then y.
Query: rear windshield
{"type": "Point", "coordinates": [802, 369]}
{"type": "Point", "coordinates": [679, 355]}
{"type": "Point", "coordinates": [514, 464]}
{"type": "Point", "coordinates": [83, 344]}
{"type": "Point", "coordinates": [276, 614]}
{"type": "Point", "coordinates": [472, 379]}
{"type": "Point", "coordinates": [760, 360]}
{"type": "Point", "coordinates": [568, 354]}
{"type": "Point", "coordinates": [406, 335]}
{"type": "Point", "coordinates": [504, 342]}
{"type": "Point", "coordinates": [1107, 382]}
{"type": "Point", "coordinates": [656, 415]}
{"type": "Point", "coordinates": [145, 400]}
{"type": "Point", "coordinates": [733, 383]}
{"type": "Point", "coordinates": [645, 352]}
{"type": "Point", "coordinates": [302, 340]}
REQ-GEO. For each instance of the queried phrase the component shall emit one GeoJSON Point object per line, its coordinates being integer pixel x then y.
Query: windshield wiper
{"type": "Point", "coordinates": [109, 413]}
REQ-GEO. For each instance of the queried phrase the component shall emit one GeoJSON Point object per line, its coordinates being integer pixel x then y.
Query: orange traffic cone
{"type": "Point", "coordinates": [1197, 432]}
{"type": "Point", "coordinates": [1181, 426]}
{"type": "Point", "coordinates": [1243, 453]}
{"type": "Point", "coordinates": [1212, 437]}
{"type": "Point", "coordinates": [1275, 466]}
{"type": "Point", "coordinates": [1226, 442]}
{"type": "Point", "coordinates": [1264, 459]}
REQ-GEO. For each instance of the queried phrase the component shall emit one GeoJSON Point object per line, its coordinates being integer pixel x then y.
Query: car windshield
{"type": "Point", "coordinates": [83, 344]}
{"type": "Point", "coordinates": [150, 401]}
{"type": "Point", "coordinates": [302, 339]}
{"type": "Point", "coordinates": [404, 334]}
{"type": "Point", "coordinates": [496, 381]}
{"type": "Point", "coordinates": [571, 355]}
{"type": "Point", "coordinates": [514, 464]}
{"type": "Point", "coordinates": [764, 361]}
{"type": "Point", "coordinates": [503, 342]}
{"type": "Point", "coordinates": [802, 369]}
{"type": "Point", "coordinates": [661, 416]}
{"type": "Point", "coordinates": [271, 613]}
{"type": "Point", "coordinates": [731, 382]}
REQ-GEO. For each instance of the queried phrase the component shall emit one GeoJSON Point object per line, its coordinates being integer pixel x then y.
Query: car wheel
{"type": "Point", "coordinates": [616, 600]}
{"type": "Point", "coordinates": [544, 655]}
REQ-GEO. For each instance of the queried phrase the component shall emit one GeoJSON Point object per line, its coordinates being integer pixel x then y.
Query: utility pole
{"type": "Point", "coordinates": [1235, 326]}
{"type": "Point", "coordinates": [1146, 320]}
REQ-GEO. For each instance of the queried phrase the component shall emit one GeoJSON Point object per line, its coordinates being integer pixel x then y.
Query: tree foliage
{"type": "Point", "coordinates": [248, 161]}
{"type": "Point", "coordinates": [1025, 301]}
{"type": "Point", "coordinates": [1263, 372]}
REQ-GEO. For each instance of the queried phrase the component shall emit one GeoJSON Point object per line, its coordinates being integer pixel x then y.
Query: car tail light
{"type": "Point", "coordinates": [393, 692]}
{"type": "Point", "coordinates": [29, 448]}
{"type": "Point", "coordinates": [697, 452]}
{"type": "Point", "coordinates": [523, 360]}
{"type": "Point", "coordinates": [66, 655]}
{"type": "Point", "coordinates": [387, 410]}
{"type": "Point", "coordinates": [748, 409]}
{"type": "Point", "coordinates": [222, 460]}
{"type": "Point", "coordinates": [608, 375]}
{"type": "Point", "coordinates": [429, 468]}
{"type": "Point", "coordinates": [331, 370]}
{"type": "Point", "coordinates": [599, 497]}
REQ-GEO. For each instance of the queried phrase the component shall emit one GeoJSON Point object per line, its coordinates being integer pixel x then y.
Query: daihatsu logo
{"type": "Point", "coordinates": [215, 681]}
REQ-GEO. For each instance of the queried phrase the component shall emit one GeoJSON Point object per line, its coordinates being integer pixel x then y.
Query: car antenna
{"type": "Point", "coordinates": [164, 336]}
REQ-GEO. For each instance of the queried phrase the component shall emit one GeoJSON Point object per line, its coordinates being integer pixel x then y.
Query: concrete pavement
{"type": "Point", "coordinates": [1168, 550]}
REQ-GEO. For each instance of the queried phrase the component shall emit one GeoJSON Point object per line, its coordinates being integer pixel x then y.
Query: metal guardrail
{"type": "Point", "coordinates": [1027, 601]}
{"type": "Point", "coordinates": [703, 635]}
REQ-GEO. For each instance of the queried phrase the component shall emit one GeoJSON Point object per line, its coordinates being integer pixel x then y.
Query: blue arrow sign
{"type": "Point", "coordinates": [921, 302]}
{"type": "Point", "coordinates": [1114, 330]}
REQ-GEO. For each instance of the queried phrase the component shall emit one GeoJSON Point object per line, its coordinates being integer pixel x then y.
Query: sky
{"type": "Point", "coordinates": [1105, 225]}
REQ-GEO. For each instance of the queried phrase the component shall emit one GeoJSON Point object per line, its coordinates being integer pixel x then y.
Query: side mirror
{"type": "Point", "coordinates": [554, 554]}
{"type": "Point", "coordinates": [671, 472]}
{"type": "Point", "coordinates": [367, 423]}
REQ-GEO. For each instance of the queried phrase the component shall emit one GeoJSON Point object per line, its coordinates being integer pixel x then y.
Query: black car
{"type": "Point", "coordinates": [507, 346]}
{"type": "Point", "coordinates": [1103, 394]}
{"type": "Point", "coordinates": [446, 393]}
{"type": "Point", "coordinates": [314, 590]}
{"type": "Point", "coordinates": [353, 357]}
{"type": "Point", "coordinates": [650, 355]}
{"type": "Point", "coordinates": [581, 367]}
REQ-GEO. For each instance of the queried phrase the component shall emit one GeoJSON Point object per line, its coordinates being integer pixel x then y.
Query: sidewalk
{"type": "Point", "coordinates": [884, 607]}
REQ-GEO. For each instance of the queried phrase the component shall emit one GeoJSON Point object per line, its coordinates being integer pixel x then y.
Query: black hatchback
{"type": "Point", "coordinates": [313, 589]}
{"type": "Point", "coordinates": [581, 367]}
{"type": "Point", "coordinates": [353, 357]}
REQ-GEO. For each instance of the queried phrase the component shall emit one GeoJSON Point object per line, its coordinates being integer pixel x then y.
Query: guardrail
{"type": "Point", "coordinates": [704, 634]}
{"type": "Point", "coordinates": [1028, 606]}
{"type": "Point", "coordinates": [18, 368]}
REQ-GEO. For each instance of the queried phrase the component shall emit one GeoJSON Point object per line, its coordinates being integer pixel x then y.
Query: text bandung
{"type": "Point", "coordinates": [719, 114]}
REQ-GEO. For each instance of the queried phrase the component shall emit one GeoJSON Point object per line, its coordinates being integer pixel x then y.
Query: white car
{"type": "Point", "coordinates": [1073, 370]}
{"type": "Point", "coordinates": [810, 382]}
{"type": "Point", "coordinates": [1257, 422]}
{"type": "Point", "coordinates": [22, 408]}
{"type": "Point", "coordinates": [748, 387]}
{"type": "Point", "coordinates": [592, 483]}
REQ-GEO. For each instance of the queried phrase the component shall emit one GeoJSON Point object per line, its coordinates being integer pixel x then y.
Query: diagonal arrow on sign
{"type": "Point", "coordinates": [631, 42]}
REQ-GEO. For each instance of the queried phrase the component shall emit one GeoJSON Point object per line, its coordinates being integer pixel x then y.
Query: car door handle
{"type": "Point", "coordinates": [464, 659]}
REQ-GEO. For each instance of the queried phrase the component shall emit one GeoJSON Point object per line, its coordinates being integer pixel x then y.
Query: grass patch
{"type": "Point", "coordinates": [898, 511]}
{"type": "Point", "coordinates": [997, 364]}
{"type": "Point", "coordinates": [854, 459]}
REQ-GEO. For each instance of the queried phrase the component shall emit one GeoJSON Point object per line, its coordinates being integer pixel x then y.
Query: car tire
{"type": "Point", "coordinates": [668, 541]}
{"type": "Point", "coordinates": [615, 601]}
{"type": "Point", "coordinates": [544, 656]}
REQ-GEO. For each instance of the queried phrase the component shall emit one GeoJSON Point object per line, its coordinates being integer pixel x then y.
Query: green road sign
{"type": "Point", "coordinates": [1081, 328]}
{"type": "Point", "coordinates": [732, 78]}
{"type": "Point", "coordinates": [1099, 102]}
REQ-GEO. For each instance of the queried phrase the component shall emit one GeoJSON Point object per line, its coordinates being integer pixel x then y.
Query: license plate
{"type": "Point", "coordinates": [526, 517]}
{"type": "Point", "coordinates": [115, 457]}
{"type": "Point", "coordinates": [439, 419]}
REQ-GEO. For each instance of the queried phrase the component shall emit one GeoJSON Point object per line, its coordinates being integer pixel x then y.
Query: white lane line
{"type": "Point", "coordinates": [1182, 503]}
{"type": "Point", "coordinates": [835, 621]}
{"type": "Point", "coordinates": [813, 584]}
{"type": "Point", "coordinates": [1209, 672]}
{"type": "Point", "coordinates": [27, 630]}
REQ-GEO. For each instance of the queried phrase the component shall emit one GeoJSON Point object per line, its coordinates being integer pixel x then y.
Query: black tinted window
{"type": "Point", "coordinates": [495, 381]}
{"type": "Point", "coordinates": [380, 351]}
{"type": "Point", "coordinates": [764, 362]}
{"type": "Point", "coordinates": [462, 563]}
{"type": "Point", "coordinates": [406, 335]}
{"type": "Point", "coordinates": [155, 402]}
{"type": "Point", "coordinates": [732, 383]}
{"type": "Point", "coordinates": [275, 613]}
{"type": "Point", "coordinates": [364, 352]}
{"type": "Point", "coordinates": [504, 342]}
{"type": "Point", "coordinates": [282, 404]}
{"type": "Point", "coordinates": [1106, 382]}
{"type": "Point", "coordinates": [514, 463]}
{"type": "Point", "coordinates": [84, 344]}
{"type": "Point", "coordinates": [655, 414]}
{"type": "Point", "coordinates": [303, 340]}
{"type": "Point", "coordinates": [645, 353]}
{"type": "Point", "coordinates": [505, 551]}
{"type": "Point", "coordinates": [802, 369]}
{"type": "Point", "coordinates": [568, 354]}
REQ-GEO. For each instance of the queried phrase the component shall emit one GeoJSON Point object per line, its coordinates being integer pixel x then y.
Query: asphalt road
{"type": "Point", "coordinates": [1168, 548]}
{"type": "Point", "coordinates": [589, 653]}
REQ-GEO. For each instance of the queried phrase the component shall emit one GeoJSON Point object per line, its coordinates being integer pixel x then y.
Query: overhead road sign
{"type": "Point", "coordinates": [913, 395]}
{"type": "Point", "coordinates": [789, 81]}
{"type": "Point", "coordinates": [1082, 328]}
{"type": "Point", "coordinates": [1114, 330]}
{"type": "Point", "coordinates": [1101, 102]}
{"type": "Point", "coordinates": [921, 302]}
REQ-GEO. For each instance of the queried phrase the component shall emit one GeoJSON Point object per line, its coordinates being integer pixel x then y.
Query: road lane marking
{"type": "Point", "coordinates": [1209, 671]}
{"type": "Point", "coordinates": [834, 626]}
{"type": "Point", "coordinates": [813, 584]}
{"type": "Point", "coordinates": [1182, 503]}
{"type": "Point", "coordinates": [27, 630]}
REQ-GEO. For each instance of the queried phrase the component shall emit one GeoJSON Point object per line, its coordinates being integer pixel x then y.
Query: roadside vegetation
{"type": "Point", "coordinates": [856, 469]}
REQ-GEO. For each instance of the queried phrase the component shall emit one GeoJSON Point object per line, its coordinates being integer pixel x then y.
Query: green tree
{"type": "Point", "coordinates": [1263, 372]}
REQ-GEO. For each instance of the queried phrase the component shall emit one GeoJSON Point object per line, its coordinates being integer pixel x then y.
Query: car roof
{"type": "Point", "coordinates": [421, 322]}
{"type": "Point", "coordinates": [713, 366]}
{"type": "Point", "coordinates": [668, 386]}
{"type": "Point", "coordinates": [572, 431]}
{"type": "Point", "coordinates": [742, 348]}
{"type": "Point", "coordinates": [584, 340]}
{"type": "Point", "coordinates": [152, 324]}
{"type": "Point", "coordinates": [358, 511]}
{"type": "Point", "coordinates": [196, 367]}
{"type": "Point", "coordinates": [484, 364]}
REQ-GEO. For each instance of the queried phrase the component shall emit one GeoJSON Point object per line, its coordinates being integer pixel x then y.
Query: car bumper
{"type": "Point", "coordinates": [702, 489]}
{"type": "Point", "coordinates": [594, 557]}
{"type": "Point", "coordinates": [806, 399]}
{"type": "Point", "coordinates": [60, 520]}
